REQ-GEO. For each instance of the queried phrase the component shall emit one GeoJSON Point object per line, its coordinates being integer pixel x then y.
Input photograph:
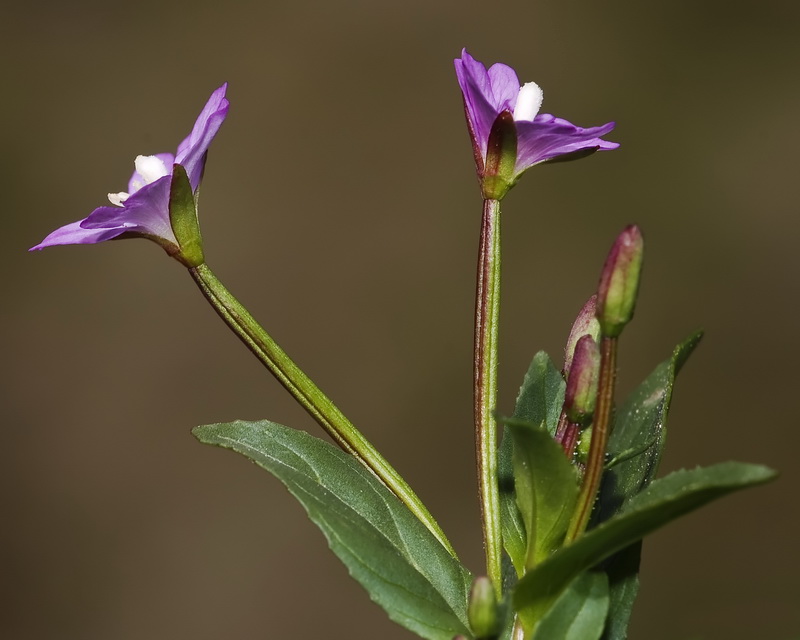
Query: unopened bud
{"type": "Point", "coordinates": [584, 444]}
{"type": "Point", "coordinates": [619, 283]}
{"type": "Point", "coordinates": [585, 324]}
{"type": "Point", "coordinates": [581, 392]}
{"type": "Point", "coordinates": [483, 613]}
{"type": "Point", "coordinates": [501, 157]}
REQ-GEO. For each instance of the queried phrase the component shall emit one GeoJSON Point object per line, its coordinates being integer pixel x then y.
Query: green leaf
{"type": "Point", "coordinates": [640, 430]}
{"type": "Point", "coordinates": [511, 525]}
{"type": "Point", "coordinates": [663, 501]}
{"type": "Point", "coordinates": [579, 613]}
{"type": "Point", "coordinates": [640, 425]}
{"type": "Point", "coordinates": [547, 488]}
{"type": "Point", "coordinates": [384, 546]}
{"type": "Point", "coordinates": [622, 570]}
{"type": "Point", "coordinates": [541, 395]}
{"type": "Point", "coordinates": [539, 401]}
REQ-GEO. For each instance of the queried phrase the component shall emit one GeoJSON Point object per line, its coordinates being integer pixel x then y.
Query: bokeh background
{"type": "Point", "coordinates": [340, 205]}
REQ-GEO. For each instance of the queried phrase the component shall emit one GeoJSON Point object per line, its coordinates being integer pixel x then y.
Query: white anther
{"type": "Point", "coordinates": [118, 198]}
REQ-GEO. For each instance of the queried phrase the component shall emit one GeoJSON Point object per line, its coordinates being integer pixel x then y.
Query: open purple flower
{"type": "Point", "coordinates": [143, 210]}
{"type": "Point", "coordinates": [488, 94]}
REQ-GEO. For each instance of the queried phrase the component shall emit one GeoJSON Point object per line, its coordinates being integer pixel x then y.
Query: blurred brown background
{"type": "Point", "coordinates": [340, 205]}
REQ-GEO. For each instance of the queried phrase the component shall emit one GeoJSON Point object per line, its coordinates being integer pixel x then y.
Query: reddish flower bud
{"type": "Point", "coordinates": [585, 324]}
{"type": "Point", "coordinates": [619, 283]}
{"type": "Point", "coordinates": [581, 392]}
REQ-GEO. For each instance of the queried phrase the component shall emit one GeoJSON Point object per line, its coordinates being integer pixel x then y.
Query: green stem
{"type": "Point", "coordinates": [487, 312]}
{"type": "Point", "coordinates": [600, 432]}
{"type": "Point", "coordinates": [310, 397]}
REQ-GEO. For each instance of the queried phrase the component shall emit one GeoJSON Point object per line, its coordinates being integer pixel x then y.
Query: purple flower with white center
{"type": "Point", "coordinates": [488, 94]}
{"type": "Point", "coordinates": [143, 210]}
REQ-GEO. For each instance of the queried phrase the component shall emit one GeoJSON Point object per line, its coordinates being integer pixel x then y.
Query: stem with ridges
{"type": "Point", "coordinates": [600, 432]}
{"type": "Point", "coordinates": [487, 311]}
{"type": "Point", "coordinates": [309, 396]}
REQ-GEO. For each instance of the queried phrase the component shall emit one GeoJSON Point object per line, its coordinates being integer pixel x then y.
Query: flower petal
{"type": "Point", "coordinates": [146, 211]}
{"type": "Point", "coordinates": [74, 233]}
{"type": "Point", "coordinates": [478, 97]}
{"type": "Point", "coordinates": [192, 151]}
{"type": "Point", "coordinates": [505, 86]}
{"type": "Point", "coordinates": [548, 137]}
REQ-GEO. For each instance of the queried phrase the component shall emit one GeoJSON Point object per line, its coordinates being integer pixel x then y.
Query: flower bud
{"type": "Point", "coordinates": [585, 324]}
{"type": "Point", "coordinates": [581, 393]}
{"type": "Point", "coordinates": [584, 444]}
{"type": "Point", "coordinates": [483, 611]}
{"type": "Point", "coordinates": [501, 157]}
{"type": "Point", "coordinates": [619, 283]}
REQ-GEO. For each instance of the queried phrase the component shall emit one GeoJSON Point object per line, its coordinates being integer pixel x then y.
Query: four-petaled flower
{"type": "Point", "coordinates": [143, 210]}
{"type": "Point", "coordinates": [494, 98]}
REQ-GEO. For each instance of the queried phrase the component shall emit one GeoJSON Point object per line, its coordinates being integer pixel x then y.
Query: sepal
{"type": "Point", "coordinates": [183, 219]}
{"type": "Point", "coordinates": [501, 157]}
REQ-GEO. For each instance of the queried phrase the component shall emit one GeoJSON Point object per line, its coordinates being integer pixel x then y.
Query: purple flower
{"type": "Point", "coordinates": [490, 93]}
{"type": "Point", "coordinates": [143, 210]}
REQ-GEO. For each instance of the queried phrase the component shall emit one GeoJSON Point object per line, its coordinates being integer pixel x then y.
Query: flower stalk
{"type": "Point", "coordinates": [487, 312]}
{"type": "Point", "coordinates": [309, 396]}
{"type": "Point", "coordinates": [600, 432]}
{"type": "Point", "coordinates": [616, 301]}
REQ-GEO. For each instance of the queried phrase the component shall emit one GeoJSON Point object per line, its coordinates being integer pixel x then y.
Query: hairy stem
{"type": "Point", "coordinates": [487, 311]}
{"type": "Point", "coordinates": [600, 432]}
{"type": "Point", "coordinates": [309, 396]}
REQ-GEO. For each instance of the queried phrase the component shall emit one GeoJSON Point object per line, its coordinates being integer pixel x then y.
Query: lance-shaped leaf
{"type": "Point", "coordinates": [639, 435]}
{"type": "Point", "coordinates": [542, 394]}
{"type": "Point", "coordinates": [663, 501]}
{"type": "Point", "coordinates": [622, 570]}
{"type": "Point", "coordinates": [547, 488]}
{"type": "Point", "coordinates": [538, 402]}
{"type": "Point", "coordinates": [640, 429]}
{"type": "Point", "coordinates": [384, 546]}
{"type": "Point", "coordinates": [579, 613]}
{"type": "Point", "coordinates": [511, 526]}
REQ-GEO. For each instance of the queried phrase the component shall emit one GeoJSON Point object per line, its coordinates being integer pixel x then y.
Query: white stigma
{"type": "Point", "coordinates": [150, 168]}
{"type": "Point", "coordinates": [529, 101]}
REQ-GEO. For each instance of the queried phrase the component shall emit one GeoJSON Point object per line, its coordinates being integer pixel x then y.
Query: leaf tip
{"type": "Point", "coordinates": [685, 349]}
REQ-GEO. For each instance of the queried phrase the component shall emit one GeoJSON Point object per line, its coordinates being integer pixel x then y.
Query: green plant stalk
{"type": "Point", "coordinates": [487, 312]}
{"type": "Point", "coordinates": [595, 464]}
{"type": "Point", "coordinates": [310, 397]}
